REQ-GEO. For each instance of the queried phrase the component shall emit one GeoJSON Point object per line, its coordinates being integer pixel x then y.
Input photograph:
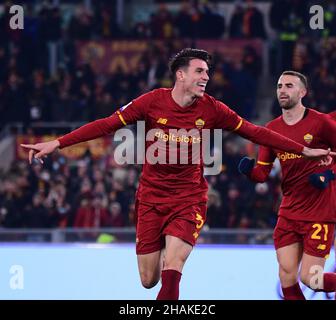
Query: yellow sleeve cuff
{"type": "Point", "coordinates": [239, 125]}
{"type": "Point", "coordinates": [264, 163]}
{"type": "Point", "coordinates": [121, 118]}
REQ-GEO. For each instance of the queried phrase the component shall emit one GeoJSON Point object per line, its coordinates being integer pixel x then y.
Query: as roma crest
{"type": "Point", "coordinates": [199, 123]}
{"type": "Point", "coordinates": [308, 138]}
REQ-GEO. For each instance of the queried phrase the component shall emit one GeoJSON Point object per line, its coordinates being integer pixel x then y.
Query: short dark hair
{"type": "Point", "coordinates": [302, 77]}
{"type": "Point", "coordinates": [182, 58]}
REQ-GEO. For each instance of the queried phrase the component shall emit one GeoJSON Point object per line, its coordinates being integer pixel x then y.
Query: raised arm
{"type": "Point", "coordinates": [89, 131]}
{"type": "Point", "coordinates": [128, 114]}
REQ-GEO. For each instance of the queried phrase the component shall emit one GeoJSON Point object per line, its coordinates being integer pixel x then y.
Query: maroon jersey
{"type": "Point", "coordinates": [333, 115]}
{"type": "Point", "coordinates": [161, 183]}
{"type": "Point", "coordinates": [170, 182]}
{"type": "Point", "coordinates": [301, 201]}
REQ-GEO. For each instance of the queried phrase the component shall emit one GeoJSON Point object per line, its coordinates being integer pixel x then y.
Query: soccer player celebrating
{"type": "Point", "coordinates": [306, 220]}
{"type": "Point", "coordinates": [171, 198]}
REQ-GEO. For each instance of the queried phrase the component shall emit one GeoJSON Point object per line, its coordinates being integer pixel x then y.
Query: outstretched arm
{"type": "Point", "coordinates": [269, 138]}
{"type": "Point", "coordinates": [230, 120]}
{"type": "Point", "coordinates": [128, 114]}
{"type": "Point", "coordinates": [87, 132]}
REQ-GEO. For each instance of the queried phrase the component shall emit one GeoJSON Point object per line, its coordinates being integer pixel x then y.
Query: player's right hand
{"type": "Point", "coordinates": [246, 165]}
{"type": "Point", "coordinates": [40, 150]}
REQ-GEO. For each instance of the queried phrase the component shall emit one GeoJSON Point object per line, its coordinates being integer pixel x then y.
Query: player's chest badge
{"type": "Point", "coordinates": [308, 138]}
{"type": "Point", "coordinates": [162, 121]}
{"type": "Point", "coordinates": [199, 123]}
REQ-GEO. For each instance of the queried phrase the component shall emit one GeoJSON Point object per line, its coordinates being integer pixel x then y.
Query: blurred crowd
{"type": "Point", "coordinates": [100, 193]}
{"type": "Point", "coordinates": [317, 60]}
{"type": "Point", "coordinates": [89, 192]}
{"type": "Point", "coordinates": [29, 93]}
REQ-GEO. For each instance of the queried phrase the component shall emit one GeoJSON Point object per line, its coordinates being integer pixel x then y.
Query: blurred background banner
{"type": "Point", "coordinates": [232, 49]}
{"type": "Point", "coordinates": [111, 56]}
{"type": "Point", "coordinates": [106, 57]}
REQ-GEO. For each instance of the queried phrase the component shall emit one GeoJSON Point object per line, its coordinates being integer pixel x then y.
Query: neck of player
{"type": "Point", "coordinates": [182, 98]}
{"type": "Point", "coordinates": [293, 115]}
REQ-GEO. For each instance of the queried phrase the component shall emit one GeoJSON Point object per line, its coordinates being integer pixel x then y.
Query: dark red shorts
{"type": "Point", "coordinates": [317, 237]}
{"type": "Point", "coordinates": [180, 219]}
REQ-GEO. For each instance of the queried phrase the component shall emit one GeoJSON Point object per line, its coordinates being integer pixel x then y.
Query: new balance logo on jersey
{"type": "Point", "coordinates": [162, 121]}
{"type": "Point", "coordinates": [321, 247]}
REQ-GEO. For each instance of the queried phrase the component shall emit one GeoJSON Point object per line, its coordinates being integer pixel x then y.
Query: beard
{"type": "Point", "coordinates": [287, 104]}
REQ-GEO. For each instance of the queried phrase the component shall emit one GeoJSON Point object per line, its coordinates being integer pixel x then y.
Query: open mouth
{"type": "Point", "coordinates": [201, 85]}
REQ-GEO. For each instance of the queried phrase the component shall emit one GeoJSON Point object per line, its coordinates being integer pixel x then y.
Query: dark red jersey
{"type": "Point", "coordinates": [301, 201]}
{"type": "Point", "coordinates": [172, 127]}
{"type": "Point", "coordinates": [333, 115]}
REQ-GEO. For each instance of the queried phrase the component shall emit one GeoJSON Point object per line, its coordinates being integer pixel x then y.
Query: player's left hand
{"type": "Point", "coordinates": [321, 180]}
